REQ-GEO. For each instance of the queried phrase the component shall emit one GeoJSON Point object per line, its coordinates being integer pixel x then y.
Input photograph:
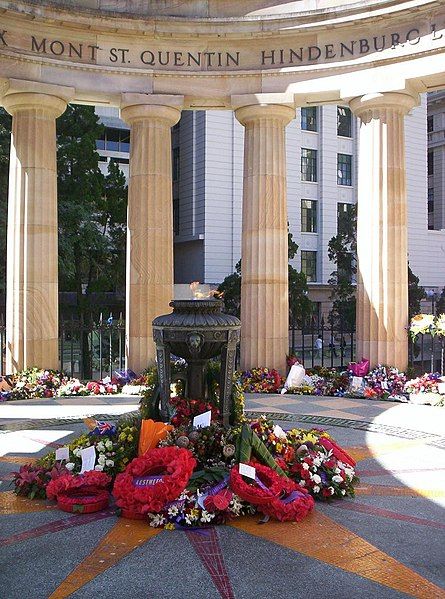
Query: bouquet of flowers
{"type": "Point", "coordinates": [72, 387]}
{"type": "Point", "coordinates": [187, 409]}
{"type": "Point", "coordinates": [440, 325]}
{"type": "Point", "coordinates": [261, 380]}
{"type": "Point", "coordinates": [31, 481]}
{"type": "Point", "coordinates": [383, 382]}
{"type": "Point", "coordinates": [427, 383]}
{"type": "Point", "coordinates": [421, 323]}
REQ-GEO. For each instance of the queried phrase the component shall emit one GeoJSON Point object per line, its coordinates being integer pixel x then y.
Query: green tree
{"type": "Point", "coordinates": [440, 305]}
{"type": "Point", "coordinates": [416, 293]}
{"type": "Point", "coordinates": [342, 251]}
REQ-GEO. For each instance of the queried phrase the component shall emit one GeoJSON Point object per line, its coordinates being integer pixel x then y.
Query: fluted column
{"type": "Point", "coordinates": [149, 286]}
{"type": "Point", "coordinates": [382, 252]}
{"type": "Point", "coordinates": [32, 273]}
{"type": "Point", "coordinates": [264, 251]}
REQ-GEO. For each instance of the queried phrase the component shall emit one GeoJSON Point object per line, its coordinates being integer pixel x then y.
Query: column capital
{"type": "Point", "coordinates": [24, 95]}
{"type": "Point", "coordinates": [402, 102]}
{"type": "Point", "coordinates": [137, 107]}
{"type": "Point", "coordinates": [250, 107]}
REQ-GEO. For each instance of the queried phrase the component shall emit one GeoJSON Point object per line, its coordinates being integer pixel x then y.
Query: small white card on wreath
{"type": "Point", "coordinates": [202, 420]}
{"type": "Point", "coordinates": [88, 456]}
{"type": "Point", "coordinates": [246, 470]}
{"type": "Point", "coordinates": [63, 453]}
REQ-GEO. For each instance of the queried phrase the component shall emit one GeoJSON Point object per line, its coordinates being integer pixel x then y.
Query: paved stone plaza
{"type": "Point", "coordinates": [387, 542]}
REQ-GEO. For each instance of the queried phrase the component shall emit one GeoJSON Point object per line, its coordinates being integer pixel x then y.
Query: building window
{"type": "Point", "coordinates": [175, 165]}
{"type": "Point", "coordinates": [430, 124]}
{"type": "Point", "coordinates": [344, 121]}
{"type": "Point", "coordinates": [345, 213]}
{"type": "Point", "coordinates": [176, 216]}
{"type": "Point", "coordinates": [430, 208]}
{"type": "Point", "coordinates": [114, 140]}
{"type": "Point", "coordinates": [344, 169]}
{"type": "Point", "coordinates": [309, 118]}
{"type": "Point", "coordinates": [309, 265]}
{"type": "Point", "coordinates": [430, 163]}
{"type": "Point", "coordinates": [308, 216]}
{"type": "Point", "coordinates": [308, 165]}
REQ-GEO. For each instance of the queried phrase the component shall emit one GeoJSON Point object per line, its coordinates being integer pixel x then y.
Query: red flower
{"type": "Point", "coordinates": [220, 501]}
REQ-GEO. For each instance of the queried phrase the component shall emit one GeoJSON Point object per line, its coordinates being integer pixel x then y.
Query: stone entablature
{"type": "Point", "coordinates": [319, 55]}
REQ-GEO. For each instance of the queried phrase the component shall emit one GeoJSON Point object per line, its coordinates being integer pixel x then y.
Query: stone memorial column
{"type": "Point", "coordinates": [149, 286]}
{"type": "Point", "coordinates": [32, 253]}
{"type": "Point", "coordinates": [382, 252]}
{"type": "Point", "coordinates": [264, 252]}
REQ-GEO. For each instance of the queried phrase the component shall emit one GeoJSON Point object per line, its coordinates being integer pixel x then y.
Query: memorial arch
{"type": "Point", "coordinates": [261, 59]}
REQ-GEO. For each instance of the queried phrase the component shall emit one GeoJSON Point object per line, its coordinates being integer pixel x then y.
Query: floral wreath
{"type": "Point", "coordinates": [174, 466]}
{"type": "Point", "coordinates": [84, 493]}
{"type": "Point", "coordinates": [273, 494]}
{"type": "Point", "coordinates": [340, 454]}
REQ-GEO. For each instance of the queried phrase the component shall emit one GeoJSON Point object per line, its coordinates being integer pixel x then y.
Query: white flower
{"type": "Point", "coordinates": [102, 459]}
{"type": "Point", "coordinates": [337, 470]}
{"type": "Point", "coordinates": [316, 478]}
{"type": "Point", "coordinates": [235, 505]}
{"type": "Point", "coordinates": [108, 444]}
{"type": "Point", "coordinates": [317, 461]}
{"type": "Point", "coordinates": [337, 479]}
{"type": "Point", "coordinates": [305, 466]}
{"type": "Point", "coordinates": [99, 467]}
{"type": "Point", "coordinates": [331, 490]}
{"type": "Point", "coordinates": [316, 489]}
{"type": "Point", "coordinates": [173, 511]}
{"type": "Point", "coordinates": [189, 519]}
{"type": "Point", "coordinates": [343, 492]}
{"type": "Point", "coordinates": [100, 446]}
{"type": "Point", "coordinates": [349, 473]}
{"type": "Point", "coordinates": [109, 463]}
{"type": "Point", "coordinates": [76, 451]}
{"type": "Point", "coordinates": [156, 520]}
{"type": "Point", "coordinates": [206, 516]}
{"type": "Point", "coordinates": [302, 483]}
{"type": "Point", "coordinates": [69, 466]}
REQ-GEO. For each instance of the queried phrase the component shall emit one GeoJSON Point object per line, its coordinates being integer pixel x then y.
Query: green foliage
{"type": "Point", "coordinates": [416, 293]}
{"type": "Point", "coordinates": [92, 210]}
{"type": "Point", "coordinates": [250, 443]}
{"type": "Point", "coordinates": [342, 251]}
{"type": "Point", "coordinates": [231, 287]}
{"type": "Point", "coordinates": [440, 305]}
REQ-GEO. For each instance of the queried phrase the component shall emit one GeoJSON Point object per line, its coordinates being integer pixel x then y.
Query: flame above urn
{"type": "Point", "coordinates": [197, 330]}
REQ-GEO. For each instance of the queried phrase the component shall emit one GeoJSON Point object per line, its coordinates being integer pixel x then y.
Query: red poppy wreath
{"type": "Point", "coordinates": [153, 480]}
{"type": "Point", "coordinates": [274, 495]}
{"type": "Point", "coordinates": [85, 493]}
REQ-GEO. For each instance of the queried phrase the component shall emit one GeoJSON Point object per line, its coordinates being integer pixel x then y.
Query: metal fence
{"type": "Point", "coordinates": [322, 344]}
{"type": "Point", "coordinates": [93, 349]}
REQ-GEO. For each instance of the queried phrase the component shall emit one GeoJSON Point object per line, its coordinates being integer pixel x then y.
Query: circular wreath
{"type": "Point", "coordinates": [84, 501]}
{"type": "Point", "coordinates": [272, 499]}
{"type": "Point", "coordinates": [92, 481]}
{"type": "Point", "coordinates": [173, 464]}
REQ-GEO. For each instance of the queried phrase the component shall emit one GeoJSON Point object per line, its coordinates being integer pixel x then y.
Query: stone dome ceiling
{"type": "Point", "coordinates": [214, 9]}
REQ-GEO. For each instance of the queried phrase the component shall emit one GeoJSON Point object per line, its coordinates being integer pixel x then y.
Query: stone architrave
{"type": "Point", "coordinates": [382, 244]}
{"type": "Point", "coordinates": [32, 253]}
{"type": "Point", "coordinates": [264, 251]}
{"type": "Point", "coordinates": [149, 288]}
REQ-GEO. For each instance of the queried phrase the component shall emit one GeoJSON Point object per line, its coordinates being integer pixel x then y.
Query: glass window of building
{"type": "Point", "coordinates": [344, 121]}
{"type": "Point", "coordinates": [344, 169]}
{"type": "Point", "coordinates": [175, 165]}
{"type": "Point", "coordinates": [345, 214]}
{"type": "Point", "coordinates": [114, 140]}
{"type": "Point", "coordinates": [176, 216]}
{"type": "Point", "coordinates": [308, 216]}
{"type": "Point", "coordinates": [430, 208]}
{"type": "Point", "coordinates": [430, 124]}
{"type": "Point", "coordinates": [309, 118]}
{"type": "Point", "coordinates": [431, 163]}
{"type": "Point", "coordinates": [309, 265]}
{"type": "Point", "coordinates": [308, 164]}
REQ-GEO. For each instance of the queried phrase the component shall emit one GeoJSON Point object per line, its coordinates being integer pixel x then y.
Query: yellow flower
{"type": "Point", "coordinates": [129, 438]}
{"type": "Point", "coordinates": [194, 514]}
{"type": "Point", "coordinates": [122, 437]}
{"type": "Point", "coordinates": [169, 526]}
